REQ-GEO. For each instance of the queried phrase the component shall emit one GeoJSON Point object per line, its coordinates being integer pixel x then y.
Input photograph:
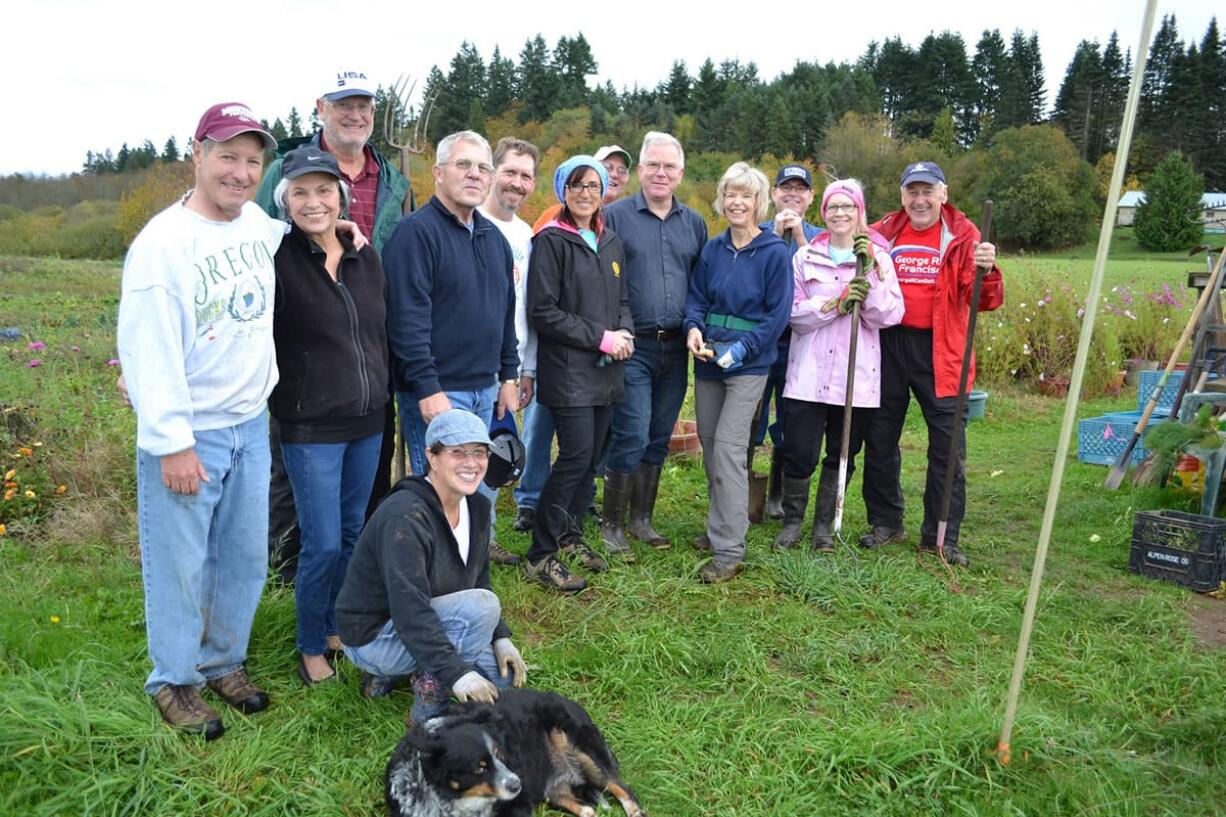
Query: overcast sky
{"type": "Point", "coordinates": [108, 73]}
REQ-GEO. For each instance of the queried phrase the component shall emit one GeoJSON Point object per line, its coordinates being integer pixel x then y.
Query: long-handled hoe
{"type": "Point", "coordinates": [955, 440]}
{"type": "Point", "coordinates": [841, 493]}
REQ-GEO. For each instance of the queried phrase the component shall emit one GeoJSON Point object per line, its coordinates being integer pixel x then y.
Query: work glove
{"type": "Point", "coordinates": [472, 686]}
{"type": "Point", "coordinates": [731, 356]}
{"type": "Point", "coordinates": [509, 660]}
{"type": "Point", "coordinates": [863, 247]}
{"type": "Point", "coordinates": [855, 292]}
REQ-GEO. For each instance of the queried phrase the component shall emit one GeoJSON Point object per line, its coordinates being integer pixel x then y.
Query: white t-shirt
{"type": "Point", "coordinates": [461, 530]}
{"type": "Point", "coordinates": [195, 323]}
{"type": "Point", "coordinates": [518, 234]}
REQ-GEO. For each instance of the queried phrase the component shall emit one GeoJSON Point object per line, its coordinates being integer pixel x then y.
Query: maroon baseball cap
{"type": "Point", "coordinates": [226, 120]}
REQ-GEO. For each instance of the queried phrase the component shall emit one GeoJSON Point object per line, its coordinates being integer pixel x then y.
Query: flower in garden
{"type": "Point", "coordinates": [30, 494]}
{"type": "Point", "coordinates": [36, 346]}
{"type": "Point", "coordinates": [55, 619]}
{"type": "Point", "coordinates": [3, 530]}
{"type": "Point", "coordinates": [25, 452]}
{"type": "Point", "coordinates": [61, 489]}
{"type": "Point", "coordinates": [12, 472]}
{"type": "Point", "coordinates": [9, 494]}
{"type": "Point", "coordinates": [35, 363]}
{"type": "Point", "coordinates": [113, 362]}
{"type": "Point", "coordinates": [76, 348]}
{"type": "Point", "coordinates": [1094, 537]}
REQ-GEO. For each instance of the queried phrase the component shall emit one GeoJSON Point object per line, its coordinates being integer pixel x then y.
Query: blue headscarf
{"type": "Point", "coordinates": [566, 168]}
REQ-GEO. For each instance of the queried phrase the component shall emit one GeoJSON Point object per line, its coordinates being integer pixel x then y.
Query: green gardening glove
{"type": "Point", "coordinates": [857, 291]}
{"type": "Point", "coordinates": [863, 246]}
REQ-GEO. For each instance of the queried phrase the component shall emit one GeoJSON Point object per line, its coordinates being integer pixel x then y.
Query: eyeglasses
{"type": "Point", "coordinates": [465, 165]}
{"type": "Point", "coordinates": [840, 208]}
{"type": "Point", "coordinates": [479, 453]}
{"type": "Point", "coordinates": [616, 169]}
{"type": "Point", "coordinates": [365, 108]}
{"type": "Point", "coordinates": [668, 167]}
{"type": "Point", "coordinates": [591, 187]}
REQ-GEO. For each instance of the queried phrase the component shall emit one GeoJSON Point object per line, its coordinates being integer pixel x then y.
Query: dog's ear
{"type": "Point", "coordinates": [428, 744]}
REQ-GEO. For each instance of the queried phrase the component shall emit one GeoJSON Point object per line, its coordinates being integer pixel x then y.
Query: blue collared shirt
{"type": "Point", "coordinates": [660, 255]}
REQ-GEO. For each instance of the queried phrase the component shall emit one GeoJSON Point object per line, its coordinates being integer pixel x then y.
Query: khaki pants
{"type": "Point", "coordinates": [724, 410]}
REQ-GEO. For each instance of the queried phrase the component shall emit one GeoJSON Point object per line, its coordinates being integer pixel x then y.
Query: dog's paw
{"type": "Point", "coordinates": [587, 811]}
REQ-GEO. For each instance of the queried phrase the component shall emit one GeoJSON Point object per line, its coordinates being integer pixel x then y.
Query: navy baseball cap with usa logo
{"type": "Point", "coordinates": [798, 172]}
{"type": "Point", "coordinates": [346, 82]}
{"type": "Point", "coordinates": [922, 172]}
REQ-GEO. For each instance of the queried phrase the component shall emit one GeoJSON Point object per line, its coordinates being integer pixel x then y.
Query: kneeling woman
{"type": "Point", "coordinates": [814, 395]}
{"type": "Point", "coordinates": [737, 307]}
{"type": "Point", "coordinates": [417, 599]}
{"type": "Point", "coordinates": [331, 339]}
{"type": "Point", "coordinates": [580, 308]}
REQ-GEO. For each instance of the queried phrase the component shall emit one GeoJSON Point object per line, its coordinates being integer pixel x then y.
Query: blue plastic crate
{"type": "Point", "coordinates": [1145, 384]}
{"type": "Point", "coordinates": [1100, 440]}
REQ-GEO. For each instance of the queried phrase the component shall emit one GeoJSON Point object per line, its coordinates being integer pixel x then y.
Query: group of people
{"type": "Point", "coordinates": [332, 303]}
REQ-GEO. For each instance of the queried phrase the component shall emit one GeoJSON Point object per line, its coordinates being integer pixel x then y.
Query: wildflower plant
{"type": "Point", "coordinates": [1148, 323]}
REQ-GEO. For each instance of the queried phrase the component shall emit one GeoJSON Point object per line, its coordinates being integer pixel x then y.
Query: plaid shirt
{"type": "Point", "coordinates": [363, 190]}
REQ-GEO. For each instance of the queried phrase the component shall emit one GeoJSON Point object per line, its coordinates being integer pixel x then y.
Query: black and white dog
{"type": "Point", "coordinates": [482, 760]}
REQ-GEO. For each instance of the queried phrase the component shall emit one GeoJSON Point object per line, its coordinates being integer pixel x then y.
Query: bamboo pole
{"type": "Point", "coordinates": [1003, 751]}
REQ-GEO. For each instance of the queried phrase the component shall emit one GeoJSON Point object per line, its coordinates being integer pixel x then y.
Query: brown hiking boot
{"type": "Point", "coordinates": [702, 542]}
{"type": "Point", "coordinates": [953, 553]}
{"type": "Point", "coordinates": [581, 550]}
{"type": "Point", "coordinates": [554, 575]}
{"type": "Point", "coordinates": [501, 556]}
{"type": "Point", "coordinates": [237, 690]}
{"type": "Point", "coordinates": [183, 708]}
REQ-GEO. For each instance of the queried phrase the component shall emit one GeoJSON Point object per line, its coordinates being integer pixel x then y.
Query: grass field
{"type": "Point", "coordinates": [852, 684]}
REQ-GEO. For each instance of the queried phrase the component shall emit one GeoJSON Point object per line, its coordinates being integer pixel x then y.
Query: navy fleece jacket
{"type": "Point", "coordinates": [450, 303]}
{"type": "Point", "coordinates": [754, 284]}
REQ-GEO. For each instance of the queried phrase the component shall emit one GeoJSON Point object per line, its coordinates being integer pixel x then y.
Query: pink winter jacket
{"type": "Point", "coordinates": [821, 341]}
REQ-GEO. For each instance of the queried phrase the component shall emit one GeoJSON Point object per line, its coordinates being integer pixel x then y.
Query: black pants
{"type": "Point", "coordinates": [807, 424]}
{"type": "Point", "coordinates": [906, 369]}
{"type": "Point", "coordinates": [564, 498]}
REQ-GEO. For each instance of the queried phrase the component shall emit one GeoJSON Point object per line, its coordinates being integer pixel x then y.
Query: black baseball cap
{"type": "Point", "coordinates": [309, 159]}
{"type": "Point", "coordinates": [922, 172]}
{"type": "Point", "coordinates": [799, 172]}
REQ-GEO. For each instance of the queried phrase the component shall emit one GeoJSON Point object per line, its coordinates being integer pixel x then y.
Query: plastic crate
{"type": "Point", "coordinates": [1145, 384]}
{"type": "Point", "coordinates": [1100, 440]}
{"type": "Point", "coordinates": [1184, 548]}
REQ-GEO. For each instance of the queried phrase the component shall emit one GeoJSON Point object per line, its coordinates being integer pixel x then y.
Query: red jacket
{"type": "Point", "coordinates": [951, 308]}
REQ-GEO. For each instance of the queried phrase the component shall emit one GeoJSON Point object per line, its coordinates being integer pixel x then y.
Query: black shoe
{"type": "Point", "coordinates": [525, 516]}
{"type": "Point", "coordinates": [953, 553]}
{"type": "Point", "coordinates": [305, 674]}
{"type": "Point", "coordinates": [881, 535]}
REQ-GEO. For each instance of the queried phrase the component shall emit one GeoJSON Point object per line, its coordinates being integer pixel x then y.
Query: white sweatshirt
{"type": "Point", "coordinates": [195, 324]}
{"type": "Point", "coordinates": [518, 234]}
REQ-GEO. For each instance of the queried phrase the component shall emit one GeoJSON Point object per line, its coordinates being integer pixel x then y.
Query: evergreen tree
{"type": "Point", "coordinates": [436, 86]}
{"type": "Point", "coordinates": [499, 84]}
{"type": "Point", "coordinates": [536, 82]}
{"type": "Point", "coordinates": [676, 89]}
{"type": "Point", "coordinates": [943, 80]}
{"type": "Point", "coordinates": [1170, 217]}
{"type": "Point", "coordinates": [573, 63]}
{"type": "Point", "coordinates": [1116, 69]}
{"type": "Point", "coordinates": [894, 72]}
{"type": "Point", "coordinates": [1156, 83]}
{"type": "Point", "coordinates": [994, 76]}
{"type": "Point", "coordinates": [1209, 150]}
{"type": "Point", "coordinates": [121, 158]}
{"type": "Point", "coordinates": [465, 82]}
{"type": "Point", "coordinates": [1079, 104]}
{"type": "Point", "coordinates": [170, 152]}
{"type": "Point", "coordinates": [295, 123]}
{"type": "Point", "coordinates": [278, 130]}
{"type": "Point", "coordinates": [1031, 97]}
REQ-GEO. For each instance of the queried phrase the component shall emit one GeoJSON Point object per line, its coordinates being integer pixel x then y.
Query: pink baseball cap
{"type": "Point", "coordinates": [226, 120]}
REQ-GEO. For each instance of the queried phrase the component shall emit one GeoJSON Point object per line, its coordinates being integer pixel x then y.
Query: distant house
{"type": "Point", "coordinates": [1213, 210]}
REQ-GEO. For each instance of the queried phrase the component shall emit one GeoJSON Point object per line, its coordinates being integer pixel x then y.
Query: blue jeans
{"type": "Point", "coordinates": [657, 375]}
{"type": "Point", "coordinates": [204, 557]}
{"type": "Point", "coordinates": [413, 427]}
{"type": "Point", "coordinates": [468, 617]}
{"type": "Point", "coordinates": [538, 442]}
{"type": "Point", "coordinates": [332, 483]}
{"type": "Point", "coordinates": [775, 381]}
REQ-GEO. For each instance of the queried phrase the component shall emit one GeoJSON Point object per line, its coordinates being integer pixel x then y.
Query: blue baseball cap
{"type": "Point", "coordinates": [922, 172]}
{"type": "Point", "coordinates": [457, 427]}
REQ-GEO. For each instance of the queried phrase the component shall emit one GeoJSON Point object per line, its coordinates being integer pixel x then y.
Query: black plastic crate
{"type": "Point", "coordinates": [1185, 548]}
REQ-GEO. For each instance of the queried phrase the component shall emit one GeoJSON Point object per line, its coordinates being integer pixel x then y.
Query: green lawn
{"type": "Point", "coordinates": [854, 684]}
